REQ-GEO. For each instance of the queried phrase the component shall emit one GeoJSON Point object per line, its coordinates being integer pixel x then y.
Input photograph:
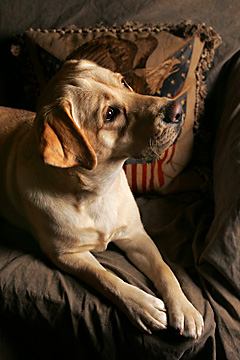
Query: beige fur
{"type": "Point", "coordinates": [62, 179]}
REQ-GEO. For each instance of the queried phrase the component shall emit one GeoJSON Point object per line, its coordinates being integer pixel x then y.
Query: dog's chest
{"type": "Point", "coordinates": [106, 222]}
{"type": "Point", "coordinates": [92, 225]}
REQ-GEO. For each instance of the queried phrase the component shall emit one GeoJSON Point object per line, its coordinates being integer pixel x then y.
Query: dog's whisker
{"type": "Point", "coordinates": [151, 145]}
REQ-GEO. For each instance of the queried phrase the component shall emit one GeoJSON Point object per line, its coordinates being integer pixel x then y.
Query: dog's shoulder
{"type": "Point", "coordinates": [10, 118]}
{"type": "Point", "coordinates": [13, 122]}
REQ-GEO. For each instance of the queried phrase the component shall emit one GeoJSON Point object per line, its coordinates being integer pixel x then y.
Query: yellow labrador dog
{"type": "Point", "coordinates": [62, 179]}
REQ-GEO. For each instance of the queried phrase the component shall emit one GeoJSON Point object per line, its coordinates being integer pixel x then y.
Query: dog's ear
{"type": "Point", "coordinates": [62, 143]}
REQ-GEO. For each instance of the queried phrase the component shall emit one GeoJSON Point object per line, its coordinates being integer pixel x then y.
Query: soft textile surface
{"type": "Point", "coordinates": [219, 259]}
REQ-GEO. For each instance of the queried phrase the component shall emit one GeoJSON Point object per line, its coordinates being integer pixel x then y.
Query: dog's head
{"type": "Point", "coordinates": [89, 114]}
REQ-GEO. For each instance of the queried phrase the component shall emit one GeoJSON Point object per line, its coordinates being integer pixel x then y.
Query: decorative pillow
{"type": "Point", "coordinates": [160, 60]}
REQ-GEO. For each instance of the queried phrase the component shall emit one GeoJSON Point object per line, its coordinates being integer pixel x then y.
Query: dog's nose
{"type": "Point", "coordinates": [173, 112]}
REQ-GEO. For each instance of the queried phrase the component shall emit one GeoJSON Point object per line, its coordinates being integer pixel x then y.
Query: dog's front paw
{"type": "Point", "coordinates": [186, 319]}
{"type": "Point", "coordinates": [145, 311]}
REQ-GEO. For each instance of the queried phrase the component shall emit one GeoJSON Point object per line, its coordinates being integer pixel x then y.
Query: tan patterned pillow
{"type": "Point", "coordinates": [160, 60]}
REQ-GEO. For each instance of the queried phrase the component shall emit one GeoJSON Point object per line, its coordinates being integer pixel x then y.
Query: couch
{"type": "Point", "coordinates": [194, 219]}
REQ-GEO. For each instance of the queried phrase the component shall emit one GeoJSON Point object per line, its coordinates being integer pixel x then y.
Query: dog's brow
{"type": "Point", "coordinates": [106, 96]}
{"type": "Point", "coordinates": [107, 78]}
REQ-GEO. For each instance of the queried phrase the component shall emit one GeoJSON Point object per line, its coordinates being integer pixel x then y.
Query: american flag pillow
{"type": "Point", "coordinates": [179, 83]}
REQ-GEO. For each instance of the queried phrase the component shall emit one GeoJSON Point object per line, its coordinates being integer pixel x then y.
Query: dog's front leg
{"type": "Point", "coordinates": [144, 310]}
{"type": "Point", "coordinates": [182, 315]}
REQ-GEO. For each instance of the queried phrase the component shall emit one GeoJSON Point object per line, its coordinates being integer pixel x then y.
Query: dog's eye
{"type": "Point", "coordinates": [125, 83]}
{"type": "Point", "coordinates": [111, 114]}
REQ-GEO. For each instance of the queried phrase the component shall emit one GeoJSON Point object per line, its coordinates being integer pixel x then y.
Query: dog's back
{"type": "Point", "coordinates": [14, 125]}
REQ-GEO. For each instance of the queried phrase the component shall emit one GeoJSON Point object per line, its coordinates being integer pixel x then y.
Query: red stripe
{"type": "Point", "coordinates": [144, 177]}
{"type": "Point", "coordinates": [134, 178]}
{"type": "Point", "coordinates": [178, 91]}
{"type": "Point", "coordinates": [160, 171]}
{"type": "Point", "coordinates": [151, 182]}
{"type": "Point", "coordinates": [172, 155]}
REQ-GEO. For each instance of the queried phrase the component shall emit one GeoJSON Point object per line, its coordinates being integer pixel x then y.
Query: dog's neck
{"type": "Point", "coordinates": [97, 181]}
{"type": "Point", "coordinates": [84, 184]}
